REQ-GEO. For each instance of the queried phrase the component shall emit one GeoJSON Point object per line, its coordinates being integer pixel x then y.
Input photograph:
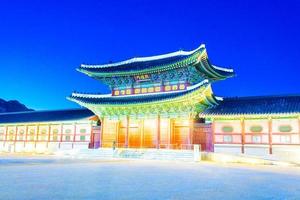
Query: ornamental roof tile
{"type": "Point", "coordinates": [141, 63]}
{"type": "Point", "coordinates": [255, 105]}
{"type": "Point", "coordinates": [136, 66]}
{"type": "Point", "coordinates": [45, 116]}
{"type": "Point", "coordinates": [159, 63]}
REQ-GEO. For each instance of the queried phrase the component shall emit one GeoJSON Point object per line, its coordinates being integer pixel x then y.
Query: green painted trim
{"type": "Point", "coordinates": [256, 128]}
{"type": "Point", "coordinates": [285, 128]}
{"type": "Point", "coordinates": [227, 129]}
{"type": "Point", "coordinates": [252, 116]}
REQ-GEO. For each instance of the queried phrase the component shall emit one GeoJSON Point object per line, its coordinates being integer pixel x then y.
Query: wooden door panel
{"type": "Point", "coordinates": [150, 131]}
{"type": "Point", "coordinates": [121, 137]}
{"type": "Point", "coordinates": [134, 137]}
{"type": "Point", "coordinates": [109, 133]}
{"type": "Point", "coordinates": [181, 136]}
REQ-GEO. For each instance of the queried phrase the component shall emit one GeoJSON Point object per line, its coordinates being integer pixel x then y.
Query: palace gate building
{"type": "Point", "coordinates": [154, 101]}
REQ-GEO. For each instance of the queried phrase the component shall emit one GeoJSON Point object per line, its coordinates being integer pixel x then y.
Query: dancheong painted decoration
{"type": "Point", "coordinates": [153, 100]}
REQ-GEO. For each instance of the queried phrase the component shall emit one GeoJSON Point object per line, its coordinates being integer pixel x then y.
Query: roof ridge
{"type": "Point", "coordinates": [41, 111]}
{"type": "Point", "coordinates": [145, 58]}
{"type": "Point", "coordinates": [262, 96]}
{"type": "Point", "coordinates": [257, 105]}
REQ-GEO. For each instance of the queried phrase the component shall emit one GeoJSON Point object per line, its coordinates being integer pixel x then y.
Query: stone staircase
{"type": "Point", "coordinates": [103, 153]}
{"type": "Point", "coordinates": [122, 153]}
{"type": "Point", "coordinates": [163, 154]}
{"type": "Point", "coordinates": [145, 154]}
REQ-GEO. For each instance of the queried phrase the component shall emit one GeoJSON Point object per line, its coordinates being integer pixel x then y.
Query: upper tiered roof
{"type": "Point", "coordinates": [160, 63]}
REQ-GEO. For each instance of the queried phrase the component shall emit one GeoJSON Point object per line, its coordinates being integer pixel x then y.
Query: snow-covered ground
{"type": "Point", "coordinates": [47, 178]}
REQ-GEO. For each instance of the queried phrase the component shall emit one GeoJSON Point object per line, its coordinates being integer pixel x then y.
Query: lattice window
{"type": "Point", "coordinates": [227, 138]}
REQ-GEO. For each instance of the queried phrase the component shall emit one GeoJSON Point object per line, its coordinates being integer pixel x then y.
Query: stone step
{"type": "Point", "coordinates": [148, 154]}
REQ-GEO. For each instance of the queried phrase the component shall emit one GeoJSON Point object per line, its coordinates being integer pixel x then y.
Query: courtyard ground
{"type": "Point", "coordinates": [49, 178]}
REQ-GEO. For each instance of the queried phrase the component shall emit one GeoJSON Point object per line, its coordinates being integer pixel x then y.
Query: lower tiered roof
{"type": "Point", "coordinates": [133, 99]}
{"type": "Point", "coordinates": [195, 98]}
{"type": "Point", "coordinates": [45, 116]}
{"type": "Point", "coordinates": [259, 105]}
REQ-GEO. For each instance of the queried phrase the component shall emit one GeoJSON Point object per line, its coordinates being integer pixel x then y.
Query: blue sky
{"type": "Point", "coordinates": [43, 42]}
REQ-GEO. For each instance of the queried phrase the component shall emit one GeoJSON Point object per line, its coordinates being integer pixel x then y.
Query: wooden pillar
{"type": "Point", "coordinates": [158, 132]}
{"type": "Point", "coordinates": [92, 143]}
{"type": "Point", "coordinates": [74, 134]}
{"type": "Point", "coordinates": [117, 132]}
{"type": "Point", "coordinates": [191, 129]}
{"type": "Point", "coordinates": [26, 135]}
{"type": "Point", "coordinates": [37, 135]}
{"type": "Point", "coordinates": [299, 128]}
{"type": "Point", "coordinates": [127, 132]}
{"type": "Point", "coordinates": [270, 134]}
{"type": "Point", "coordinates": [142, 133]}
{"type": "Point", "coordinates": [49, 131]}
{"type": "Point", "coordinates": [172, 134]}
{"type": "Point", "coordinates": [16, 135]}
{"type": "Point", "coordinates": [61, 134]}
{"type": "Point", "coordinates": [243, 134]}
{"type": "Point", "coordinates": [101, 132]}
{"type": "Point", "coordinates": [169, 133]}
{"type": "Point", "coordinates": [5, 138]}
{"type": "Point", "coordinates": [213, 128]}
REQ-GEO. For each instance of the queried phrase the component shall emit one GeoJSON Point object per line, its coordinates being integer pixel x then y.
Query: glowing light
{"type": "Point", "coordinates": [137, 91]}
{"type": "Point", "coordinates": [151, 89]}
{"type": "Point", "coordinates": [167, 88]}
{"type": "Point", "coordinates": [157, 89]}
{"type": "Point", "coordinates": [174, 87]}
{"type": "Point", "coordinates": [128, 91]}
{"type": "Point", "coordinates": [117, 92]}
{"type": "Point", "coordinates": [144, 90]}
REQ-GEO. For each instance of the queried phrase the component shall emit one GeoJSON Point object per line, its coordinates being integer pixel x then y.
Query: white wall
{"type": "Point", "coordinates": [227, 148]}
{"type": "Point", "coordinates": [19, 144]}
{"type": "Point", "coordinates": [285, 145]}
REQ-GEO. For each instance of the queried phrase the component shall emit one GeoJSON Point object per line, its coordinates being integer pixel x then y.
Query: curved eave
{"type": "Point", "coordinates": [255, 107]}
{"type": "Point", "coordinates": [144, 59]}
{"type": "Point", "coordinates": [249, 115]}
{"type": "Point", "coordinates": [197, 58]}
{"type": "Point", "coordinates": [105, 72]}
{"type": "Point", "coordinates": [106, 100]}
{"type": "Point", "coordinates": [210, 71]}
{"type": "Point", "coordinates": [144, 65]}
{"type": "Point", "coordinates": [48, 116]}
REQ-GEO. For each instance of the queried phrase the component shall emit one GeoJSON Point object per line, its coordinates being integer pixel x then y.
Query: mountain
{"type": "Point", "coordinates": [12, 106]}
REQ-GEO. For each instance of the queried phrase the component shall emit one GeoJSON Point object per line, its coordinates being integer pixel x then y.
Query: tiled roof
{"type": "Point", "coordinates": [141, 63]}
{"type": "Point", "coordinates": [153, 64]}
{"type": "Point", "coordinates": [256, 105]}
{"type": "Point", "coordinates": [45, 116]}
